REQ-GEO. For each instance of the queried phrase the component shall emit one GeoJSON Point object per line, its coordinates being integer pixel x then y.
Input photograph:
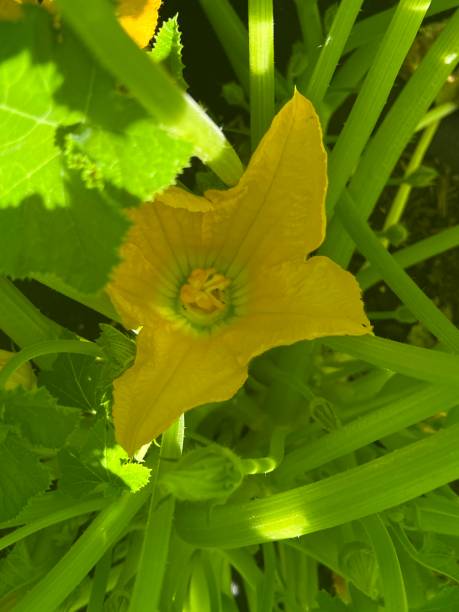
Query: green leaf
{"type": "Point", "coordinates": [21, 475]}
{"type": "Point", "coordinates": [60, 109]}
{"type": "Point", "coordinates": [40, 419]}
{"type": "Point", "coordinates": [99, 465]}
{"type": "Point", "coordinates": [78, 244]}
{"type": "Point", "coordinates": [168, 49]}
{"type": "Point", "coordinates": [76, 380]}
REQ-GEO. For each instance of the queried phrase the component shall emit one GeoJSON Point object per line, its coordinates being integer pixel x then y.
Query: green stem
{"type": "Point", "coordinates": [392, 585]}
{"type": "Point", "coordinates": [100, 583]}
{"type": "Point", "coordinates": [437, 114]}
{"type": "Point", "coordinates": [155, 548]}
{"type": "Point", "coordinates": [396, 278]}
{"type": "Point", "coordinates": [234, 39]}
{"type": "Point", "coordinates": [46, 347]}
{"type": "Point", "coordinates": [364, 430]}
{"type": "Point", "coordinates": [310, 24]}
{"type": "Point", "coordinates": [97, 26]}
{"type": "Point", "coordinates": [266, 588]}
{"type": "Point", "coordinates": [52, 518]}
{"type": "Point", "coordinates": [232, 35]}
{"type": "Point", "coordinates": [383, 483]}
{"type": "Point", "coordinates": [415, 362]}
{"type": "Point", "coordinates": [332, 49]}
{"type": "Point", "coordinates": [390, 139]}
{"type": "Point", "coordinates": [261, 54]}
{"type": "Point", "coordinates": [22, 321]}
{"type": "Point", "coordinates": [413, 254]}
{"type": "Point", "coordinates": [67, 574]}
{"type": "Point", "coordinates": [403, 193]}
{"type": "Point", "coordinates": [373, 95]}
{"type": "Point", "coordinates": [265, 465]}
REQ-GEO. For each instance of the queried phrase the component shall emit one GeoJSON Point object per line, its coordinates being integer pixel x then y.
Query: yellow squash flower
{"type": "Point", "coordinates": [216, 280]}
{"type": "Point", "coordinates": [138, 17]}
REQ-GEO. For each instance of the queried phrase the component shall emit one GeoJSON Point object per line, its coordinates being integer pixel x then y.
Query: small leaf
{"type": "Point", "coordinates": [168, 49]}
{"type": "Point", "coordinates": [99, 465]}
{"type": "Point", "coordinates": [21, 475]}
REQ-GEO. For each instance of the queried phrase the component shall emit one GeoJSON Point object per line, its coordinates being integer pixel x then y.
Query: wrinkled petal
{"type": "Point", "coordinates": [276, 212]}
{"type": "Point", "coordinates": [164, 242]}
{"type": "Point", "coordinates": [289, 303]}
{"type": "Point", "coordinates": [139, 19]}
{"type": "Point", "coordinates": [173, 372]}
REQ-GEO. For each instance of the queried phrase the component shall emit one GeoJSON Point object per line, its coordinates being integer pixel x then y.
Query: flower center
{"type": "Point", "coordinates": [204, 294]}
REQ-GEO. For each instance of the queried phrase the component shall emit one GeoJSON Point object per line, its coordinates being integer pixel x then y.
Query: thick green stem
{"type": "Point", "coordinates": [155, 548]}
{"type": "Point", "coordinates": [95, 23]}
{"type": "Point", "coordinates": [373, 95]}
{"type": "Point", "coordinates": [52, 518]}
{"type": "Point", "coordinates": [261, 53]}
{"type": "Point", "coordinates": [397, 279]}
{"type": "Point", "coordinates": [364, 430]}
{"type": "Point", "coordinates": [391, 576]}
{"type": "Point", "coordinates": [46, 347]}
{"type": "Point", "coordinates": [373, 487]}
{"type": "Point", "coordinates": [332, 49]}
{"type": "Point", "coordinates": [100, 583]}
{"type": "Point", "coordinates": [67, 574]}
{"type": "Point", "coordinates": [235, 41]}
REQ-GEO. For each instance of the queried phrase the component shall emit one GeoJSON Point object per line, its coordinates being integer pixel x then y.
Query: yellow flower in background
{"type": "Point", "coordinates": [24, 376]}
{"type": "Point", "coordinates": [139, 19]}
{"type": "Point", "coordinates": [214, 281]}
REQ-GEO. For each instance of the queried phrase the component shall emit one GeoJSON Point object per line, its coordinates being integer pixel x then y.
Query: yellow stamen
{"type": "Point", "coordinates": [204, 291]}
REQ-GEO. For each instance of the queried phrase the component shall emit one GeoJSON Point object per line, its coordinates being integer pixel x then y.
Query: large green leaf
{"type": "Point", "coordinates": [78, 243]}
{"type": "Point", "coordinates": [74, 149]}
{"type": "Point", "coordinates": [60, 108]}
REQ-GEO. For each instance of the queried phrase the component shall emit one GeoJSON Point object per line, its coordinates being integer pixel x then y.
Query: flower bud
{"type": "Point", "coordinates": [212, 472]}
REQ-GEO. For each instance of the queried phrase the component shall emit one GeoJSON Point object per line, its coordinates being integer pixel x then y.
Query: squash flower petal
{"type": "Point", "coordinates": [214, 281]}
{"type": "Point", "coordinates": [139, 19]}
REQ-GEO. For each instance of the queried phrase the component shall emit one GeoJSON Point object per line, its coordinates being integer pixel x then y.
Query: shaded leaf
{"type": "Point", "coordinates": [21, 475]}
{"type": "Point", "coordinates": [59, 107]}
{"type": "Point", "coordinates": [78, 244]}
{"type": "Point", "coordinates": [76, 380]}
{"type": "Point", "coordinates": [40, 420]}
